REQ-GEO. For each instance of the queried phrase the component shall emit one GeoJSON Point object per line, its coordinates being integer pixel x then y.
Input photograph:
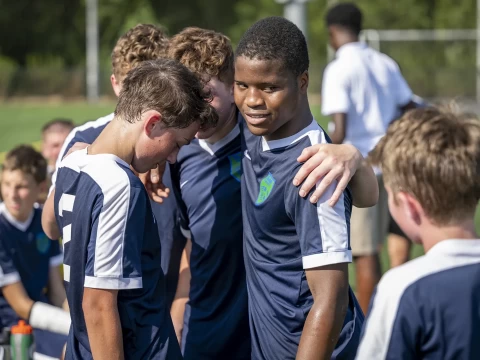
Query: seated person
{"type": "Point", "coordinates": [29, 260]}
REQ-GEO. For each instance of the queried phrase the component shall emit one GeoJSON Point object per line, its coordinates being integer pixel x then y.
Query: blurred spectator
{"type": "Point", "coordinates": [54, 134]}
{"type": "Point", "coordinates": [29, 260]}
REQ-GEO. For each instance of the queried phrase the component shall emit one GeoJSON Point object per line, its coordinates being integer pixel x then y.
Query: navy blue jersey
{"type": "Point", "coordinates": [26, 255]}
{"type": "Point", "coordinates": [428, 308]}
{"type": "Point", "coordinates": [207, 185]}
{"type": "Point", "coordinates": [285, 235]}
{"type": "Point", "coordinates": [110, 239]}
{"type": "Point", "coordinates": [166, 213]}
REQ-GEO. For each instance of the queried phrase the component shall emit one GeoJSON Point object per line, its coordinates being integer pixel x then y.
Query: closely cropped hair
{"type": "Point", "coordinates": [205, 52]}
{"type": "Point", "coordinates": [276, 38]}
{"type": "Point", "coordinates": [29, 161]}
{"type": "Point", "coordinates": [434, 155]}
{"type": "Point", "coordinates": [170, 88]}
{"type": "Point", "coordinates": [140, 43]}
{"type": "Point", "coordinates": [346, 15]}
{"type": "Point", "coordinates": [56, 124]}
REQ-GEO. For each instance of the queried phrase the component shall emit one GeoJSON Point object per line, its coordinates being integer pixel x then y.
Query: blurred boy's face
{"type": "Point", "coordinates": [404, 215]}
{"type": "Point", "coordinates": [52, 144]}
{"type": "Point", "coordinates": [158, 143]}
{"type": "Point", "coordinates": [222, 102]}
{"type": "Point", "coordinates": [268, 96]}
{"type": "Point", "coordinates": [20, 191]}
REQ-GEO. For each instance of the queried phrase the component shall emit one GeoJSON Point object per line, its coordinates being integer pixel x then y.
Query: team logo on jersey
{"type": "Point", "coordinates": [236, 166]}
{"type": "Point", "coordinates": [266, 187]}
{"type": "Point", "coordinates": [43, 243]}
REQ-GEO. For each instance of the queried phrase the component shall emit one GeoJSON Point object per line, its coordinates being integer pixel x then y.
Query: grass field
{"type": "Point", "coordinates": [21, 123]}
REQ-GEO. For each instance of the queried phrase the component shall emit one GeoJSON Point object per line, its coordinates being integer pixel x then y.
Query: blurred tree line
{"type": "Point", "coordinates": [49, 35]}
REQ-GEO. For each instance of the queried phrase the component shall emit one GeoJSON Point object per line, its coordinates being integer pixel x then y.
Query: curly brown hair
{"type": "Point", "coordinates": [434, 155]}
{"type": "Point", "coordinates": [140, 43]}
{"type": "Point", "coordinates": [170, 88]}
{"type": "Point", "coordinates": [205, 52]}
{"type": "Point", "coordinates": [29, 161]}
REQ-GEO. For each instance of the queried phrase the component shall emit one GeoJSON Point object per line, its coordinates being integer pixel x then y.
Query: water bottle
{"type": "Point", "coordinates": [21, 341]}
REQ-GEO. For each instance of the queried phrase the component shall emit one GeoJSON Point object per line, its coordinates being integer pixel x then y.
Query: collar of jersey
{"type": "Point", "coordinates": [22, 226]}
{"type": "Point", "coordinates": [213, 148]}
{"type": "Point", "coordinates": [106, 156]}
{"type": "Point", "coordinates": [281, 143]}
{"type": "Point", "coordinates": [354, 46]}
{"type": "Point", "coordinates": [457, 247]}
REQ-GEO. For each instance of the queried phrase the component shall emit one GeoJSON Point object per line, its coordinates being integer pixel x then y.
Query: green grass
{"type": "Point", "coordinates": [21, 123]}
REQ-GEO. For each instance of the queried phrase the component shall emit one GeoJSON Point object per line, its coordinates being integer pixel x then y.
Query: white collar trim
{"type": "Point", "coordinates": [213, 148]}
{"type": "Point", "coordinates": [22, 226]}
{"type": "Point", "coordinates": [465, 247]}
{"type": "Point", "coordinates": [281, 143]}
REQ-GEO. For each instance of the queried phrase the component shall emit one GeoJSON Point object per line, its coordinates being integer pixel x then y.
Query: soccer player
{"type": "Point", "coordinates": [142, 42]}
{"type": "Point", "coordinates": [114, 280]}
{"type": "Point", "coordinates": [206, 182]}
{"type": "Point", "coordinates": [362, 91]}
{"type": "Point", "coordinates": [214, 292]}
{"type": "Point", "coordinates": [429, 308]}
{"type": "Point", "coordinates": [54, 134]}
{"type": "Point", "coordinates": [28, 259]}
{"type": "Point", "coordinates": [296, 252]}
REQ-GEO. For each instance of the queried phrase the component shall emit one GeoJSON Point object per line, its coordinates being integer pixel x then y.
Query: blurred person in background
{"type": "Point", "coordinates": [140, 43]}
{"type": "Point", "coordinates": [29, 260]}
{"type": "Point", "coordinates": [362, 91]}
{"type": "Point", "coordinates": [54, 134]}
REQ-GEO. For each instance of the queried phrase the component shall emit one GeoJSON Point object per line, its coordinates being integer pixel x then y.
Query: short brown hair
{"type": "Point", "coordinates": [170, 88]}
{"type": "Point", "coordinates": [58, 124]}
{"type": "Point", "coordinates": [205, 52]}
{"type": "Point", "coordinates": [29, 161]}
{"type": "Point", "coordinates": [434, 155]}
{"type": "Point", "coordinates": [140, 43]}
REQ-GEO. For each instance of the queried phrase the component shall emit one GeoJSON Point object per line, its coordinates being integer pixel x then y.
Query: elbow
{"type": "Point", "coordinates": [367, 200]}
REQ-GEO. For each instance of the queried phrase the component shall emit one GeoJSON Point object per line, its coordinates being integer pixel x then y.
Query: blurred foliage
{"type": "Point", "coordinates": [51, 34]}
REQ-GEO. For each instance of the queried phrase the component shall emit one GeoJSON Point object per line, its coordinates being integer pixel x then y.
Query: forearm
{"type": "Point", "coordinates": [104, 333]}
{"type": "Point", "coordinates": [321, 330]}
{"type": "Point", "coordinates": [49, 223]}
{"type": "Point", "coordinates": [337, 137]}
{"type": "Point", "coordinates": [56, 291]}
{"type": "Point", "coordinates": [177, 311]}
{"type": "Point", "coordinates": [364, 186]}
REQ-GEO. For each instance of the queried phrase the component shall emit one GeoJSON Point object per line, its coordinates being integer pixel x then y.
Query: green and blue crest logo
{"type": "Point", "coordinates": [43, 243]}
{"type": "Point", "coordinates": [266, 187]}
{"type": "Point", "coordinates": [236, 166]}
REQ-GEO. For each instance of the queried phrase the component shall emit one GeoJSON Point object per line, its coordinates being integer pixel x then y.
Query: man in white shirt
{"type": "Point", "coordinates": [362, 91]}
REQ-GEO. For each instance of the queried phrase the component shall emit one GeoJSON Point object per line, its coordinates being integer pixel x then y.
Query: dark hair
{"type": "Point", "coordinates": [346, 15]}
{"type": "Point", "coordinates": [58, 123]}
{"type": "Point", "coordinates": [29, 161]}
{"type": "Point", "coordinates": [276, 38]}
{"type": "Point", "coordinates": [170, 88]}
{"type": "Point", "coordinates": [205, 52]}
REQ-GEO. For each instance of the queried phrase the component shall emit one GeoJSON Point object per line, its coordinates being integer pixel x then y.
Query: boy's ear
{"type": "Point", "coordinates": [43, 186]}
{"type": "Point", "coordinates": [116, 85]}
{"type": "Point", "coordinates": [303, 82]}
{"type": "Point", "coordinates": [152, 122]}
{"type": "Point", "coordinates": [411, 206]}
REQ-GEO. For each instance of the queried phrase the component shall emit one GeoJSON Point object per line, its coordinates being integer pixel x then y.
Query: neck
{"type": "Point", "coordinates": [301, 120]}
{"type": "Point", "coordinates": [347, 39]}
{"type": "Point", "coordinates": [432, 235]}
{"type": "Point", "coordinates": [19, 217]}
{"type": "Point", "coordinates": [226, 128]}
{"type": "Point", "coordinates": [115, 139]}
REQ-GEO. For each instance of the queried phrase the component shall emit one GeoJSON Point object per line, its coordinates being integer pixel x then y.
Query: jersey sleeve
{"type": "Point", "coordinates": [182, 208]}
{"type": "Point", "coordinates": [8, 272]}
{"type": "Point", "coordinates": [323, 230]}
{"type": "Point", "coordinates": [115, 245]}
{"type": "Point", "coordinates": [56, 255]}
{"type": "Point", "coordinates": [393, 325]}
{"type": "Point", "coordinates": [335, 90]}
